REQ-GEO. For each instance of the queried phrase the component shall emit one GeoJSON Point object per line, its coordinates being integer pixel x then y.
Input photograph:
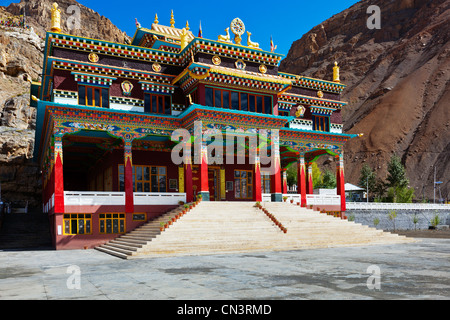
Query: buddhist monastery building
{"type": "Point", "coordinates": [107, 114]}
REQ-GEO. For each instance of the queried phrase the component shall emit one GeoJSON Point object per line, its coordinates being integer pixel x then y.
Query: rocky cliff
{"type": "Point", "coordinates": [397, 85]}
{"type": "Point", "coordinates": [21, 57]}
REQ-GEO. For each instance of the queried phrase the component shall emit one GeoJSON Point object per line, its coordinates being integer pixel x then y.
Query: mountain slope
{"type": "Point", "coordinates": [21, 57]}
{"type": "Point", "coordinates": [397, 85]}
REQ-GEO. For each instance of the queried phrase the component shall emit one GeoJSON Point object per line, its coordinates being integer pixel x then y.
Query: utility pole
{"type": "Point", "coordinates": [434, 186]}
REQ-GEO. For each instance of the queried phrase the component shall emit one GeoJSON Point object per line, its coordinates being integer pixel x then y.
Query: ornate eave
{"type": "Point", "coordinates": [230, 77]}
{"type": "Point", "coordinates": [312, 83]}
{"type": "Point", "coordinates": [223, 119]}
{"type": "Point", "coordinates": [229, 50]}
{"type": "Point", "coordinates": [292, 99]}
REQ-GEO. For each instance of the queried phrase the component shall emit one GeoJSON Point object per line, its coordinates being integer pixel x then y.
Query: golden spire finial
{"type": "Point", "coordinates": [156, 19]}
{"type": "Point", "coordinates": [187, 25]}
{"type": "Point", "coordinates": [56, 18]}
{"type": "Point", "coordinates": [336, 72]}
{"type": "Point", "coordinates": [183, 39]}
{"type": "Point", "coordinates": [172, 20]}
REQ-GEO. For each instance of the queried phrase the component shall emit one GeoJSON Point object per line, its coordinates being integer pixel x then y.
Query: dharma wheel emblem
{"type": "Point", "coordinates": [93, 57]}
{"type": "Point", "coordinates": [262, 68]}
{"type": "Point", "coordinates": [320, 94]}
{"type": "Point", "coordinates": [156, 67]}
{"type": "Point", "coordinates": [216, 60]}
{"type": "Point", "coordinates": [238, 28]}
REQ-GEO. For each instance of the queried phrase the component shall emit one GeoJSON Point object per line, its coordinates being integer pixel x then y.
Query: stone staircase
{"type": "Point", "coordinates": [128, 244]}
{"type": "Point", "coordinates": [236, 227]}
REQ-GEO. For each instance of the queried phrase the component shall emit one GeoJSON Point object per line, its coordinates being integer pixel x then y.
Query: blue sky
{"type": "Point", "coordinates": [286, 21]}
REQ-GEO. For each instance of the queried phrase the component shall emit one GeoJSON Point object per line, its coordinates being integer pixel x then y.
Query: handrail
{"type": "Point", "coordinates": [396, 206]}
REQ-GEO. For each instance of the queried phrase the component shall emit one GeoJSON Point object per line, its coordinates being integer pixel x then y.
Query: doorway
{"type": "Point", "coordinates": [214, 183]}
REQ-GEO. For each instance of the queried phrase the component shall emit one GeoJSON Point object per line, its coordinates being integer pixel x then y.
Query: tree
{"type": "Point", "coordinates": [316, 174]}
{"type": "Point", "coordinates": [328, 180]}
{"type": "Point", "coordinates": [368, 178]}
{"type": "Point", "coordinates": [396, 173]}
{"type": "Point", "coordinates": [292, 175]}
{"type": "Point", "coordinates": [397, 182]}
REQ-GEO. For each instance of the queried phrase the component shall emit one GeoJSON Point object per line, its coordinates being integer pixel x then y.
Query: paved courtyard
{"type": "Point", "coordinates": [407, 271]}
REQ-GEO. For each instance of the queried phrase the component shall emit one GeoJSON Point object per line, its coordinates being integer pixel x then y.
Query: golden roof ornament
{"type": "Point", "coordinates": [172, 20]}
{"type": "Point", "coordinates": [336, 72]}
{"type": "Point", "coordinates": [250, 43]}
{"type": "Point", "coordinates": [187, 26]}
{"type": "Point", "coordinates": [56, 18]}
{"type": "Point", "coordinates": [238, 28]}
{"type": "Point", "coordinates": [156, 19]}
{"type": "Point", "coordinates": [183, 39]}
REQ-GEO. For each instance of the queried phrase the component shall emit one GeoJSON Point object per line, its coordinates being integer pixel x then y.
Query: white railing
{"type": "Point", "coordinates": [146, 198]}
{"type": "Point", "coordinates": [311, 199]}
{"type": "Point", "coordinates": [322, 199]}
{"type": "Point", "coordinates": [90, 198]}
{"type": "Point", "coordinates": [396, 206]}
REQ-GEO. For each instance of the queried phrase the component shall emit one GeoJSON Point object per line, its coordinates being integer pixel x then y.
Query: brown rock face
{"type": "Point", "coordinates": [397, 85]}
{"type": "Point", "coordinates": [92, 25]}
{"type": "Point", "coordinates": [21, 57]}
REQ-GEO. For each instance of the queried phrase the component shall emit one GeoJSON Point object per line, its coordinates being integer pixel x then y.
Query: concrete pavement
{"type": "Point", "coordinates": [401, 271]}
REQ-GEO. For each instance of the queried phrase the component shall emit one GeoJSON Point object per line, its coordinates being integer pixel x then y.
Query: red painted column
{"type": "Point", "coordinates": [204, 185]}
{"type": "Point", "coordinates": [340, 181]}
{"type": "Point", "coordinates": [301, 179]}
{"type": "Point", "coordinates": [257, 191]}
{"type": "Point", "coordinates": [58, 175]}
{"type": "Point", "coordinates": [276, 167]}
{"type": "Point", "coordinates": [309, 180]}
{"type": "Point", "coordinates": [201, 94]}
{"type": "Point", "coordinates": [128, 166]}
{"type": "Point", "coordinates": [284, 181]}
{"type": "Point", "coordinates": [188, 183]}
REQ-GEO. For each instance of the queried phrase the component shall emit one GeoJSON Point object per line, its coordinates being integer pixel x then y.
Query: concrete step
{"type": "Point", "coordinates": [112, 252]}
{"type": "Point", "coordinates": [241, 227]}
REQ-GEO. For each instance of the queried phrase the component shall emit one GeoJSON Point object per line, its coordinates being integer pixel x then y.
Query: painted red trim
{"type": "Point", "coordinates": [188, 185]}
{"type": "Point", "coordinates": [129, 197]}
{"type": "Point", "coordinates": [59, 185]}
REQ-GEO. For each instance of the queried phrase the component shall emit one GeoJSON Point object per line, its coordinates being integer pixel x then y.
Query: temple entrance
{"type": "Point", "coordinates": [214, 183]}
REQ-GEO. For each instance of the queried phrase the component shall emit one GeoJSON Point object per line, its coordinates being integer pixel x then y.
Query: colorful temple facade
{"type": "Point", "coordinates": [107, 115]}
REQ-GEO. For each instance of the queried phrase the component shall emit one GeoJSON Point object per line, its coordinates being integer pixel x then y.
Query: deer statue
{"type": "Point", "coordinates": [225, 38]}
{"type": "Point", "coordinates": [250, 43]}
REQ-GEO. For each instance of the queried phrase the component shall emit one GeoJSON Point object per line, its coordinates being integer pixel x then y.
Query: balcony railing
{"type": "Point", "coordinates": [311, 199]}
{"type": "Point", "coordinates": [92, 198]}
{"type": "Point", "coordinates": [146, 198]}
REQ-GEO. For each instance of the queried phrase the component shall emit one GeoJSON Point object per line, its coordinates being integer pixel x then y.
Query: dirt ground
{"type": "Point", "coordinates": [443, 234]}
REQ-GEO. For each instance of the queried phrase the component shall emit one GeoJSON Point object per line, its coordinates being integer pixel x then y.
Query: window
{"type": "Point", "coordinates": [243, 184]}
{"type": "Point", "coordinates": [238, 100]}
{"type": "Point", "coordinates": [265, 182]}
{"type": "Point", "coordinates": [77, 224]}
{"type": "Point", "coordinates": [145, 178]}
{"type": "Point", "coordinates": [154, 103]}
{"type": "Point", "coordinates": [112, 223]}
{"type": "Point", "coordinates": [321, 123]}
{"type": "Point", "coordinates": [93, 96]}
